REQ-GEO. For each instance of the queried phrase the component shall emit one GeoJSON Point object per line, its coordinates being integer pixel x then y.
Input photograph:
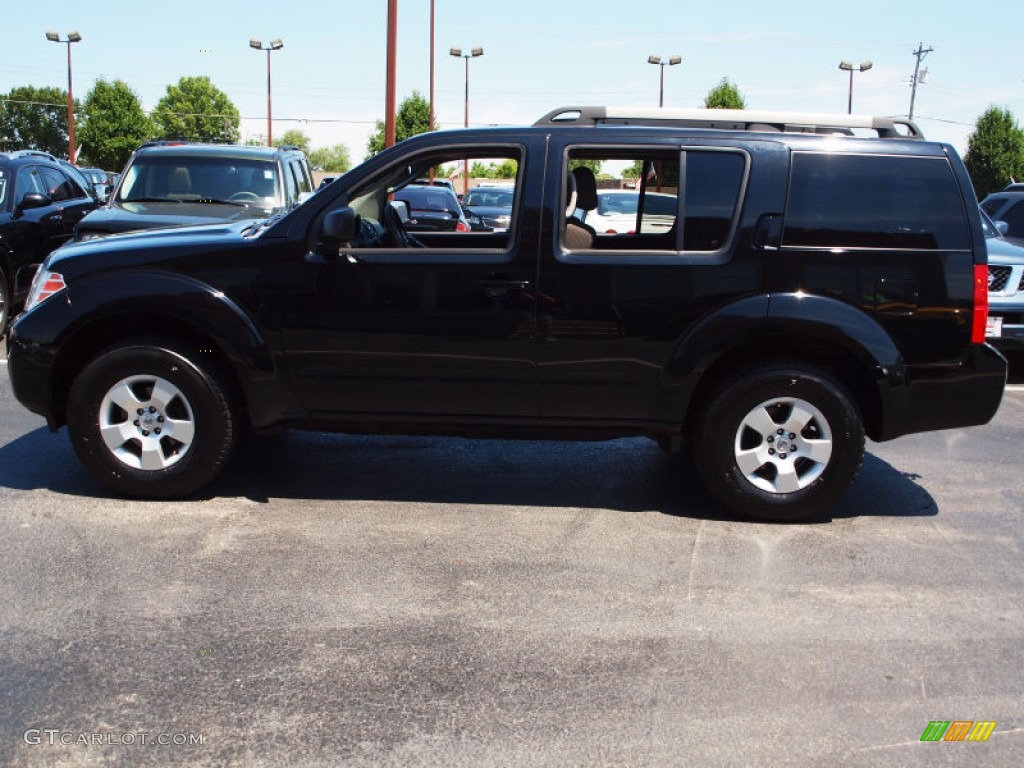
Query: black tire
{"type": "Point", "coordinates": [149, 422]}
{"type": "Point", "coordinates": [780, 442]}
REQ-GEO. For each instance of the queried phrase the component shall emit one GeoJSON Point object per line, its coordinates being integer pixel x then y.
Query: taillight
{"type": "Point", "coordinates": [462, 227]}
{"type": "Point", "coordinates": [980, 316]}
{"type": "Point", "coordinates": [44, 285]}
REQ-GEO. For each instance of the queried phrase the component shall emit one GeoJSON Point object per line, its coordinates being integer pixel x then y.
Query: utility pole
{"type": "Point", "coordinates": [919, 54]}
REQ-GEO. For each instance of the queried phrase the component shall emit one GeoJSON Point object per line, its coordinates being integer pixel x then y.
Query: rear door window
{"type": "Point", "coordinates": [674, 201]}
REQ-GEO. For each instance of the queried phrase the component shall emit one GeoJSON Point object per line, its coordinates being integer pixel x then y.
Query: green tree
{"type": "Point", "coordinates": [295, 138]}
{"type": "Point", "coordinates": [35, 118]}
{"type": "Point", "coordinates": [334, 159]}
{"type": "Point", "coordinates": [197, 110]}
{"type": "Point", "coordinates": [413, 118]}
{"type": "Point", "coordinates": [506, 169]}
{"type": "Point", "coordinates": [114, 125]}
{"type": "Point", "coordinates": [995, 151]}
{"type": "Point", "coordinates": [725, 95]}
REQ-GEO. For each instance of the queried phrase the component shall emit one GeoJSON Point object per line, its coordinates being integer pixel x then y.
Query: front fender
{"type": "Point", "coordinates": [53, 341]}
{"type": "Point", "coordinates": [183, 301]}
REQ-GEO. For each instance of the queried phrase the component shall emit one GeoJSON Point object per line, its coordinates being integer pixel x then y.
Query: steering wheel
{"type": "Point", "coordinates": [397, 236]}
{"type": "Point", "coordinates": [244, 196]}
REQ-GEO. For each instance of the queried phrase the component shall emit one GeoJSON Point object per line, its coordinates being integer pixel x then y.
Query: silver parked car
{"type": "Point", "coordinates": [1005, 287]}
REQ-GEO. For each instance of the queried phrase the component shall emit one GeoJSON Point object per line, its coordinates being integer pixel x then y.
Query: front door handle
{"type": "Point", "coordinates": [497, 288]}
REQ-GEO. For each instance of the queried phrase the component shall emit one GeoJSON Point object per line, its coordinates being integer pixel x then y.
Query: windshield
{"type": "Point", "coordinates": [179, 179]}
{"type": "Point", "coordinates": [489, 197]}
{"type": "Point", "coordinates": [428, 199]}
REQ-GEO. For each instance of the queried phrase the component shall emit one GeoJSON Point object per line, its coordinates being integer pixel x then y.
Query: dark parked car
{"type": "Point", "coordinates": [489, 208]}
{"type": "Point", "coordinates": [177, 183]}
{"type": "Point", "coordinates": [99, 182]}
{"type": "Point", "coordinates": [1007, 206]}
{"type": "Point", "coordinates": [812, 290]}
{"type": "Point", "coordinates": [40, 203]}
{"type": "Point", "coordinates": [432, 209]}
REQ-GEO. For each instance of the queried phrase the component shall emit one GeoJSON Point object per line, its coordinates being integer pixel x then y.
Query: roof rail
{"type": "Point", "coordinates": [736, 120]}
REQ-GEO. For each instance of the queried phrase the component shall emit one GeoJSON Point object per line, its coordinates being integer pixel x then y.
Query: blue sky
{"type": "Point", "coordinates": [328, 80]}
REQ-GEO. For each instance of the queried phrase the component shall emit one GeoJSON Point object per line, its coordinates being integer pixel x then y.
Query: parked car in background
{"type": "Point", "coordinates": [99, 182]}
{"type": "Point", "coordinates": [40, 203]}
{"type": "Point", "coordinates": [432, 209]}
{"type": "Point", "coordinates": [617, 208]}
{"type": "Point", "coordinates": [169, 184]}
{"type": "Point", "coordinates": [1007, 206]}
{"type": "Point", "coordinates": [489, 208]}
{"type": "Point", "coordinates": [1005, 329]}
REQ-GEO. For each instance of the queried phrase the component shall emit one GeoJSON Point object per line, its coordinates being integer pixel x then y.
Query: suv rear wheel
{"type": "Point", "coordinates": [782, 441]}
{"type": "Point", "coordinates": [148, 421]}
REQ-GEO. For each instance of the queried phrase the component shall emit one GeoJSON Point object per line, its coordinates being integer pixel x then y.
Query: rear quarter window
{"type": "Point", "coordinates": [874, 201]}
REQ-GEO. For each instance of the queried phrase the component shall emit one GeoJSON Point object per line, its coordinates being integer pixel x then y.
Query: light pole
{"type": "Point", "coordinates": [673, 60]}
{"type": "Point", "coordinates": [275, 45]}
{"type": "Point", "coordinates": [846, 66]}
{"type": "Point", "coordinates": [473, 53]}
{"type": "Point", "coordinates": [73, 37]}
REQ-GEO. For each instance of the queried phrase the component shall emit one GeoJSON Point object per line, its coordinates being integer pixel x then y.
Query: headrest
{"type": "Point", "coordinates": [586, 188]}
{"type": "Point", "coordinates": [570, 195]}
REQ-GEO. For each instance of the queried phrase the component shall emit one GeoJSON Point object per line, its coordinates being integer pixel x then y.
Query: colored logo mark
{"type": "Point", "coordinates": [958, 730]}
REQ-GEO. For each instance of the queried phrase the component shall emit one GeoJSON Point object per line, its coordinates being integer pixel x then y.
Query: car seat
{"type": "Point", "coordinates": [582, 193]}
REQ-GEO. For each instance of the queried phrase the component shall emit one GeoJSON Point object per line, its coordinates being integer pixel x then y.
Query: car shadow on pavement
{"type": "Point", "coordinates": [44, 459]}
{"type": "Point", "coordinates": [628, 475]}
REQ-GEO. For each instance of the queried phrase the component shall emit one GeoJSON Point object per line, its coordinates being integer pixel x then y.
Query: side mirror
{"type": "Point", "coordinates": [34, 200]}
{"type": "Point", "coordinates": [338, 228]}
{"type": "Point", "coordinates": [402, 209]}
{"type": "Point", "coordinates": [1002, 226]}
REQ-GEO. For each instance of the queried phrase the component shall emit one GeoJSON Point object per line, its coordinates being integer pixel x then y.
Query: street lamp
{"type": "Point", "coordinates": [673, 60]}
{"type": "Point", "coordinates": [73, 37]}
{"type": "Point", "coordinates": [846, 66]}
{"type": "Point", "coordinates": [275, 45]}
{"type": "Point", "coordinates": [473, 53]}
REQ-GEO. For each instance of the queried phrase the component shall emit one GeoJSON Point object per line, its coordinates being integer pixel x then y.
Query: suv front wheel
{"type": "Point", "coordinates": [149, 422]}
{"type": "Point", "coordinates": [781, 441]}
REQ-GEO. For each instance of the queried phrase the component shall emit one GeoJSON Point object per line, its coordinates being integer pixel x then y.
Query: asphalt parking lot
{"type": "Point", "coordinates": [383, 601]}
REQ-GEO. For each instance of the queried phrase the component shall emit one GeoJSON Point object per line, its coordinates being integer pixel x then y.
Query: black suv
{"type": "Point", "coordinates": [40, 203]}
{"type": "Point", "coordinates": [173, 183]}
{"type": "Point", "coordinates": [813, 287]}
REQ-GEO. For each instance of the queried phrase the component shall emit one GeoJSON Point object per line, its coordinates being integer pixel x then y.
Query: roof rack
{"type": "Point", "coordinates": [736, 120]}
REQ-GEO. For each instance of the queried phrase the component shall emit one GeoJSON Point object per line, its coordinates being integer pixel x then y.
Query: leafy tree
{"type": "Point", "coordinates": [413, 118]}
{"type": "Point", "coordinates": [35, 118]}
{"type": "Point", "coordinates": [296, 138]}
{"type": "Point", "coordinates": [725, 95]}
{"type": "Point", "coordinates": [334, 159]}
{"type": "Point", "coordinates": [506, 169]}
{"type": "Point", "coordinates": [995, 151]}
{"type": "Point", "coordinates": [114, 125]}
{"type": "Point", "coordinates": [197, 110]}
